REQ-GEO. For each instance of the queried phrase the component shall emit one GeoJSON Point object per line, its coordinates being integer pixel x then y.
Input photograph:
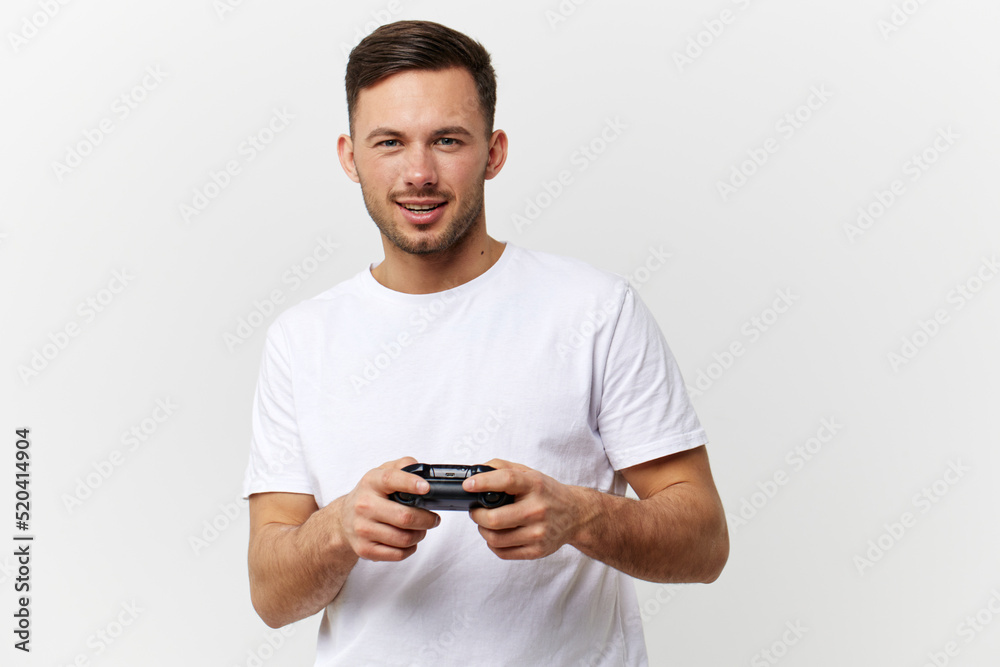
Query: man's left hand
{"type": "Point", "coordinates": [546, 514]}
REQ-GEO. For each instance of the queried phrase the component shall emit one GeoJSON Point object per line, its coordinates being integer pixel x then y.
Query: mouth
{"type": "Point", "coordinates": [421, 208]}
{"type": "Point", "coordinates": [422, 213]}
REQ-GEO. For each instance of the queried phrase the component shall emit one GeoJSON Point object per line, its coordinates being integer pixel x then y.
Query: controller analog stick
{"type": "Point", "coordinates": [489, 498]}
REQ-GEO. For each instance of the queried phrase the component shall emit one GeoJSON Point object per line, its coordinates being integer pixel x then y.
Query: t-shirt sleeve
{"type": "Point", "coordinates": [276, 455]}
{"type": "Point", "coordinates": [645, 410]}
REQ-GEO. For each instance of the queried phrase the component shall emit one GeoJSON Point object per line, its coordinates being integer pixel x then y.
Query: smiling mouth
{"type": "Point", "coordinates": [421, 208]}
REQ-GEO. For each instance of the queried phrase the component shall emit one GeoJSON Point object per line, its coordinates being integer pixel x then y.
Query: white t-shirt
{"type": "Point", "coordinates": [541, 360]}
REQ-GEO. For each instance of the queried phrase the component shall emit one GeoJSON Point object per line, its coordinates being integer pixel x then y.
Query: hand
{"type": "Point", "coordinates": [380, 529]}
{"type": "Point", "coordinates": [545, 516]}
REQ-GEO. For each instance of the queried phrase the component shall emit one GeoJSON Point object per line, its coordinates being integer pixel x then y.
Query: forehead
{"type": "Point", "coordinates": [420, 99]}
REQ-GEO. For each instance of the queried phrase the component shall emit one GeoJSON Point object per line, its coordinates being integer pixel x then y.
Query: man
{"type": "Point", "coordinates": [459, 346]}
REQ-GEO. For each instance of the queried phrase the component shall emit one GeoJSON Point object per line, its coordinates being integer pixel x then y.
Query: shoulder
{"type": "Point", "coordinates": [315, 312]}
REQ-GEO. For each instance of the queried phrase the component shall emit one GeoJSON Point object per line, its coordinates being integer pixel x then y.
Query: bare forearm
{"type": "Point", "coordinates": [295, 571]}
{"type": "Point", "coordinates": [673, 536]}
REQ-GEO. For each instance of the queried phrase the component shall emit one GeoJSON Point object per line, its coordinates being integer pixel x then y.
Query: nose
{"type": "Point", "coordinates": [421, 170]}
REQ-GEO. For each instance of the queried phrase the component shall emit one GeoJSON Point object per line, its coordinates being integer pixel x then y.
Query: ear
{"type": "Point", "coordinates": [345, 151]}
{"type": "Point", "coordinates": [498, 153]}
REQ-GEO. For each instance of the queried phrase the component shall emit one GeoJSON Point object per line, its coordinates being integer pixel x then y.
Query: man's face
{"type": "Point", "coordinates": [421, 155]}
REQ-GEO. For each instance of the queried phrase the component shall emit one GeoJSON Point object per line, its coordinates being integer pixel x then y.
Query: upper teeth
{"type": "Point", "coordinates": [421, 207]}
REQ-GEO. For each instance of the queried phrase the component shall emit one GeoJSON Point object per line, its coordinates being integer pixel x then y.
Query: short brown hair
{"type": "Point", "coordinates": [408, 45]}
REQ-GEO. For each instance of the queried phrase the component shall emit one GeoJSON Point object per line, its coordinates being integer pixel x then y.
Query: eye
{"type": "Point", "coordinates": [389, 143]}
{"type": "Point", "coordinates": [449, 141]}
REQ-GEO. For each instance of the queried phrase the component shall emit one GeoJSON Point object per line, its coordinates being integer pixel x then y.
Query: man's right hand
{"type": "Point", "coordinates": [300, 555]}
{"type": "Point", "coordinates": [377, 528]}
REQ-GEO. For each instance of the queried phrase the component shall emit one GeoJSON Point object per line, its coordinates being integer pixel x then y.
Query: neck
{"type": "Point", "coordinates": [469, 258]}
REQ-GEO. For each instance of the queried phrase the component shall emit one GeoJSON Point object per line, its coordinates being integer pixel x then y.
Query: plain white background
{"type": "Point", "coordinates": [870, 346]}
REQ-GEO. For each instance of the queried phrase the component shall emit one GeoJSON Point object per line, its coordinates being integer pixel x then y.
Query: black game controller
{"type": "Point", "coordinates": [446, 491]}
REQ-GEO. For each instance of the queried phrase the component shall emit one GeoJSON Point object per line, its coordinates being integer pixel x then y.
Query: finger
{"type": "Point", "coordinates": [389, 535]}
{"type": "Point", "coordinates": [508, 480]}
{"type": "Point", "coordinates": [501, 464]}
{"type": "Point", "coordinates": [398, 464]}
{"type": "Point", "coordinates": [384, 534]}
{"type": "Point", "coordinates": [519, 553]}
{"type": "Point", "coordinates": [500, 518]}
{"type": "Point", "coordinates": [379, 552]}
{"type": "Point", "coordinates": [395, 525]}
{"type": "Point", "coordinates": [386, 480]}
{"type": "Point", "coordinates": [502, 539]}
{"type": "Point", "coordinates": [406, 518]}
{"type": "Point", "coordinates": [512, 540]}
{"type": "Point", "coordinates": [371, 505]}
{"type": "Point", "coordinates": [524, 543]}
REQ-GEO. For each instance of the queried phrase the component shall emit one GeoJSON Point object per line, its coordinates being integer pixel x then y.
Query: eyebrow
{"type": "Point", "coordinates": [389, 132]}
